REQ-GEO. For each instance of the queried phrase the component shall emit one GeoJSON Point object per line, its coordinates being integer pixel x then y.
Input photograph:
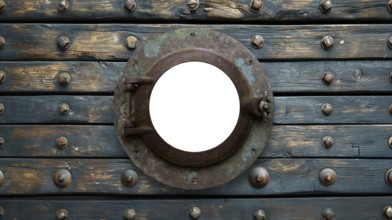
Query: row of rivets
{"type": "Point", "coordinates": [64, 78]}
{"type": "Point", "coordinates": [327, 109]}
{"type": "Point", "coordinates": [64, 42]}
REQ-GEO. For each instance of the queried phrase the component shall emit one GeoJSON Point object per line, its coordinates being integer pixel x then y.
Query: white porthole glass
{"type": "Point", "coordinates": [194, 106]}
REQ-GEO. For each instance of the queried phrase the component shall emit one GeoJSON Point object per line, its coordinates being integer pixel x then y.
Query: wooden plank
{"type": "Point", "coordinates": [361, 77]}
{"type": "Point", "coordinates": [274, 208]}
{"type": "Point", "coordinates": [103, 176]}
{"type": "Point", "coordinates": [106, 41]}
{"type": "Point", "coordinates": [364, 141]}
{"type": "Point", "coordinates": [209, 10]}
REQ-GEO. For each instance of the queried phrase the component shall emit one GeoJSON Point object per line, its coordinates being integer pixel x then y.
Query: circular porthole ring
{"type": "Point", "coordinates": [154, 140]}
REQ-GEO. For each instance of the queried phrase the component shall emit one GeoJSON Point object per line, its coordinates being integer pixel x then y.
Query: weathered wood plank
{"type": "Point", "coordinates": [106, 41]}
{"type": "Point", "coordinates": [364, 141]}
{"type": "Point", "coordinates": [103, 176]}
{"type": "Point", "coordinates": [275, 208]}
{"type": "Point", "coordinates": [361, 77]}
{"type": "Point", "coordinates": [176, 10]}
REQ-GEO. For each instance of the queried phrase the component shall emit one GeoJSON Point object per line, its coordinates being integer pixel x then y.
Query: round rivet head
{"type": "Point", "coordinates": [130, 5]}
{"type": "Point", "coordinates": [62, 214]}
{"type": "Point", "coordinates": [129, 214]}
{"type": "Point", "coordinates": [3, 77]}
{"type": "Point", "coordinates": [390, 142]}
{"type": "Point", "coordinates": [63, 108]}
{"type": "Point", "coordinates": [389, 6]}
{"type": "Point", "coordinates": [388, 212]}
{"type": "Point", "coordinates": [390, 42]}
{"type": "Point", "coordinates": [2, 6]}
{"type": "Point", "coordinates": [64, 79]}
{"type": "Point", "coordinates": [2, 42]}
{"type": "Point", "coordinates": [327, 42]}
{"type": "Point", "coordinates": [259, 177]}
{"type": "Point", "coordinates": [327, 142]}
{"type": "Point", "coordinates": [195, 212]}
{"type": "Point", "coordinates": [327, 177]}
{"type": "Point", "coordinates": [1, 142]}
{"type": "Point", "coordinates": [193, 5]}
{"type": "Point", "coordinates": [63, 42]}
{"type": "Point", "coordinates": [129, 178]}
{"type": "Point", "coordinates": [2, 212]}
{"type": "Point", "coordinates": [256, 5]}
{"type": "Point", "coordinates": [61, 143]}
{"type": "Point", "coordinates": [390, 77]}
{"type": "Point", "coordinates": [259, 215]}
{"type": "Point", "coordinates": [327, 109]}
{"type": "Point", "coordinates": [328, 77]}
{"type": "Point", "coordinates": [388, 176]}
{"type": "Point", "coordinates": [131, 42]}
{"type": "Point", "coordinates": [390, 109]}
{"type": "Point", "coordinates": [62, 178]}
{"type": "Point", "coordinates": [328, 214]}
{"type": "Point", "coordinates": [257, 41]}
{"type": "Point", "coordinates": [325, 6]}
{"type": "Point", "coordinates": [2, 108]}
{"type": "Point", "coordinates": [62, 6]}
{"type": "Point", "coordinates": [1, 178]}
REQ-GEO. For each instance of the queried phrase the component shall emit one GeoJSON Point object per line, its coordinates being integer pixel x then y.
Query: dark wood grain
{"type": "Point", "coordinates": [359, 77]}
{"type": "Point", "coordinates": [106, 41]}
{"type": "Point", "coordinates": [103, 176]}
{"type": "Point", "coordinates": [89, 208]}
{"type": "Point", "coordinates": [209, 10]}
{"type": "Point", "coordinates": [363, 141]}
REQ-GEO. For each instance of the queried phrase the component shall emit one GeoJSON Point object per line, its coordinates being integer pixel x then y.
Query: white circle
{"type": "Point", "coordinates": [194, 106]}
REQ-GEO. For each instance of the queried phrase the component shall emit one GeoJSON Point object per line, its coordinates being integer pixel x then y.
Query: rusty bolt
{"type": "Point", "coordinates": [388, 212]}
{"type": "Point", "coordinates": [2, 6]}
{"type": "Point", "coordinates": [61, 143]}
{"type": "Point", "coordinates": [259, 177]}
{"type": "Point", "coordinates": [3, 77]}
{"type": "Point", "coordinates": [390, 6]}
{"type": "Point", "coordinates": [2, 212]}
{"type": "Point", "coordinates": [195, 212]}
{"type": "Point", "coordinates": [62, 214]}
{"type": "Point", "coordinates": [62, 178]}
{"type": "Point", "coordinates": [131, 42]}
{"type": "Point", "coordinates": [390, 42]}
{"type": "Point", "coordinates": [327, 177]}
{"type": "Point", "coordinates": [193, 5]}
{"type": "Point", "coordinates": [2, 108]}
{"type": "Point", "coordinates": [62, 6]}
{"type": "Point", "coordinates": [327, 109]}
{"type": "Point", "coordinates": [388, 176]}
{"type": "Point", "coordinates": [1, 142]}
{"type": "Point", "coordinates": [129, 178]}
{"type": "Point", "coordinates": [328, 77]}
{"type": "Point", "coordinates": [129, 214]}
{"type": "Point", "coordinates": [327, 42]}
{"type": "Point", "coordinates": [63, 108]}
{"type": "Point", "coordinates": [64, 79]}
{"type": "Point", "coordinates": [1, 178]}
{"type": "Point", "coordinates": [259, 215]}
{"type": "Point", "coordinates": [63, 42]}
{"type": "Point", "coordinates": [328, 214]}
{"type": "Point", "coordinates": [325, 6]}
{"type": "Point", "coordinates": [256, 5]}
{"type": "Point", "coordinates": [130, 5]}
{"type": "Point", "coordinates": [2, 42]}
{"type": "Point", "coordinates": [257, 41]}
{"type": "Point", "coordinates": [327, 142]}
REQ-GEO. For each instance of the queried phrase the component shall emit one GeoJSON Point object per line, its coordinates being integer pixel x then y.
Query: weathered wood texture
{"type": "Point", "coordinates": [106, 41]}
{"type": "Point", "coordinates": [360, 77]}
{"type": "Point", "coordinates": [209, 10]}
{"type": "Point", "coordinates": [103, 176]}
{"type": "Point", "coordinates": [288, 110]}
{"type": "Point", "coordinates": [359, 208]}
{"type": "Point", "coordinates": [363, 141]}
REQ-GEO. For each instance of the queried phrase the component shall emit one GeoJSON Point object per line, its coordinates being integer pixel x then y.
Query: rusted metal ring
{"type": "Point", "coordinates": [149, 151]}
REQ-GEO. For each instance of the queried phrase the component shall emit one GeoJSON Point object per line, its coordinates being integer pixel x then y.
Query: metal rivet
{"type": "Point", "coordinates": [130, 5]}
{"type": "Point", "coordinates": [259, 215]}
{"type": "Point", "coordinates": [328, 77]}
{"type": "Point", "coordinates": [390, 77]}
{"type": "Point", "coordinates": [62, 6]}
{"type": "Point", "coordinates": [390, 142]}
{"type": "Point", "coordinates": [327, 177]}
{"type": "Point", "coordinates": [63, 42]}
{"type": "Point", "coordinates": [61, 143]}
{"type": "Point", "coordinates": [1, 142]}
{"type": "Point", "coordinates": [193, 5]}
{"type": "Point", "coordinates": [63, 108]}
{"type": "Point", "coordinates": [2, 6]}
{"type": "Point", "coordinates": [390, 109]}
{"type": "Point", "coordinates": [259, 177]}
{"type": "Point", "coordinates": [195, 212]}
{"type": "Point", "coordinates": [2, 42]}
{"type": "Point", "coordinates": [62, 214]}
{"type": "Point", "coordinates": [388, 212]}
{"type": "Point", "coordinates": [327, 142]}
{"type": "Point", "coordinates": [2, 108]}
{"type": "Point", "coordinates": [327, 109]}
{"type": "Point", "coordinates": [3, 77]}
{"type": "Point", "coordinates": [327, 42]}
{"type": "Point", "coordinates": [129, 178]}
{"type": "Point", "coordinates": [328, 214]}
{"type": "Point", "coordinates": [390, 42]}
{"type": "Point", "coordinates": [129, 214]}
{"type": "Point", "coordinates": [325, 6]}
{"type": "Point", "coordinates": [1, 178]}
{"type": "Point", "coordinates": [62, 178]}
{"type": "Point", "coordinates": [388, 176]}
{"type": "Point", "coordinates": [257, 41]}
{"type": "Point", "coordinates": [64, 79]}
{"type": "Point", "coordinates": [131, 42]}
{"type": "Point", "coordinates": [2, 212]}
{"type": "Point", "coordinates": [256, 5]}
{"type": "Point", "coordinates": [389, 6]}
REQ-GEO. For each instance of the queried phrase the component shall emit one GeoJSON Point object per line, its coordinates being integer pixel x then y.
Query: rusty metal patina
{"type": "Point", "coordinates": [177, 168]}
